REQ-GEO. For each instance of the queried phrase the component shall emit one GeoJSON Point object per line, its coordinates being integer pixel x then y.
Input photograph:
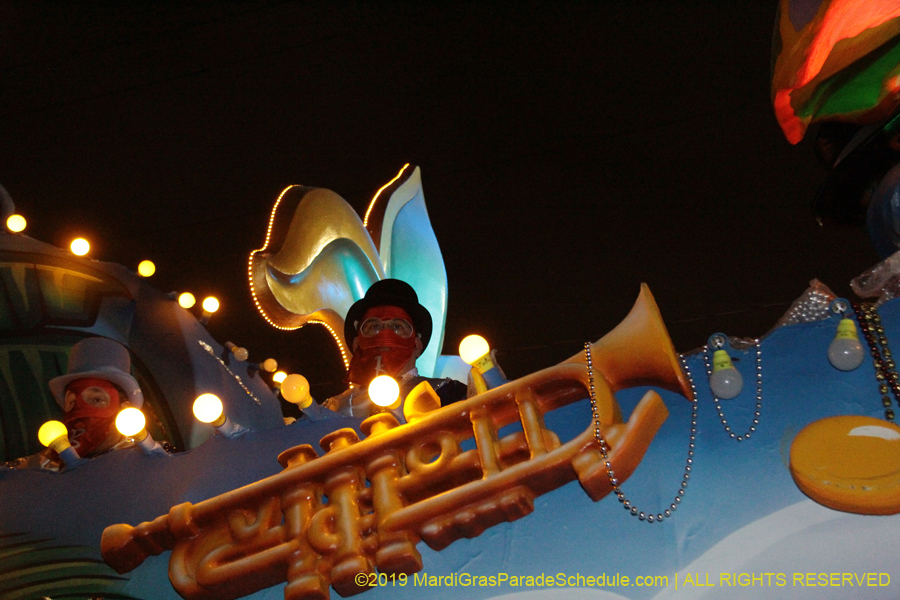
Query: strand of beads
{"type": "Point", "coordinates": [718, 402]}
{"type": "Point", "coordinates": [604, 449]}
{"type": "Point", "coordinates": [885, 368]}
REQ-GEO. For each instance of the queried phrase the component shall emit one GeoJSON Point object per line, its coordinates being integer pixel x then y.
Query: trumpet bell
{"type": "Point", "coordinates": [639, 351]}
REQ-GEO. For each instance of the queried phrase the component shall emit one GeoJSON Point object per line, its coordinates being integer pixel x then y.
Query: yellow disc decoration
{"type": "Point", "coordinates": [849, 463]}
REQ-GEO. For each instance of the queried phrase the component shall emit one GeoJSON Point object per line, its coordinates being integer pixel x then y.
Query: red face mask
{"type": "Point", "coordinates": [385, 352]}
{"type": "Point", "coordinates": [92, 405]}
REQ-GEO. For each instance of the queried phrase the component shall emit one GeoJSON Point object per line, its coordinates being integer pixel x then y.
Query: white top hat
{"type": "Point", "coordinates": [102, 358]}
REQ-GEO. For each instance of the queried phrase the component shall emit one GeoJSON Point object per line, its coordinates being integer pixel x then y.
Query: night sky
{"type": "Point", "coordinates": [569, 151]}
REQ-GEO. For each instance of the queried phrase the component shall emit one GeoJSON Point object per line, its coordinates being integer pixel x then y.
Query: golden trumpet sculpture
{"type": "Point", "coordinates": [318, 524]}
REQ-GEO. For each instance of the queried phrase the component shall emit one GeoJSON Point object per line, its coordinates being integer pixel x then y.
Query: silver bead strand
{"type": "Point", "coordinates": [604, 449]}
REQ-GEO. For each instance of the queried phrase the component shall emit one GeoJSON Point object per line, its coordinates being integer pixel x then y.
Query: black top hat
{"type": "Point", "coordinates": [389, 292]}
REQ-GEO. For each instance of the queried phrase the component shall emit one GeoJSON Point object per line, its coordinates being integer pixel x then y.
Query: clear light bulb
{"type": "Point", "coordinates": [146, 268]}
{"type": "Point", "coordinates": [186, 300]}
{"type": "Point", "coordinates": [208, 408]}
{"type": "Point", "coordinates": [295, 389]}
{"type": "Point", "coordinates": [384, 390]}
{"type": "Point", "coordinates": [16, 223]}
{"type": "Point", "coordinates": [130, 422]}
{"type": "Point", "coordinates": [80, 246]}
{"type": "Point", "coordinates": [210, 304]}
{"type": "Point", "coordinates": [472, 348]}
{"type": "Point", "coordinates": [725, 382]}
{"type": "Point", "coordinates": [846, 352]}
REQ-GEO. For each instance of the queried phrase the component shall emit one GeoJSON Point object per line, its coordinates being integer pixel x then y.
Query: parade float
{"type": "Point", "coordinates": [745, 468]}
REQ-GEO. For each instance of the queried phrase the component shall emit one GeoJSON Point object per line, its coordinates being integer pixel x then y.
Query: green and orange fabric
{"type": "Point", "coordinates": [835, 60]}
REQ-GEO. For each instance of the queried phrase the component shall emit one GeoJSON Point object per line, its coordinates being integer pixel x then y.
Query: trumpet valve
{"type": "Point", "coordinates": [296, 456]}
{"type": "Point", "coordinates": [378, 423]}
{"type": "Point", "coordinates": [337, 440]}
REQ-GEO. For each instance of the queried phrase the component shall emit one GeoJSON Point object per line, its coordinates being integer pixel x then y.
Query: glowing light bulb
{"type": "Point", "coordinates": [80, 246]}
{"type": "Point", "coordinates": [53, 433]}
{"type": "Point", "coordinates": [472, 348]}
{"type": "Point", "coordinates": [295, 389]}
{"type": "Point", "coordinates": [208, 408]}
{"type": "Point", "coordinates": [384, 390]}
{"type": "Point", "coordinates": [130, 422]}
{"type": "Point", "coordinates": [279, 376]}
{"type": "Point", "coordinates": [846, 352]}
{"type": "Point", "coordinates": [146, 268]}
{"type": "Point", "coordinates": [725, 382]}
{"type": "Point", "coordinates": [16, 223]}
{"type": "Point", "coordinates": [55, 436]}
{"type": "Point", "coordinates": [186, 300]}
{"type": "Point", "coordinates": [269, 365]}
{"type": "Point", "coordinates": [210, 304]}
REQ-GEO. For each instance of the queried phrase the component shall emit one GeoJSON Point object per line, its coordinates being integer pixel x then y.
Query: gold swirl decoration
{"type": "Point", "coordinates": [316, 261]}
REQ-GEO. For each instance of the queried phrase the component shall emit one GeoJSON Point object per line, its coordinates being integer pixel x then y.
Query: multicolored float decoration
{"type": "Point", "coordinates": [789, 486]}
{"type": "Point", "coordinates": [703, 491]}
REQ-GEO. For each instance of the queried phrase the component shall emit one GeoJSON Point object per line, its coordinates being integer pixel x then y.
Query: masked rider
{"type": "Point", "coordinates": [97, 385]}
{"type": "Point", "coordinates": [387, 331]}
